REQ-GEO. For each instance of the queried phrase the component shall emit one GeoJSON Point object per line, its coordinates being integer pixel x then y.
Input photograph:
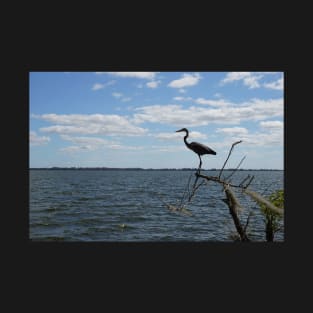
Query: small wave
{"type": "Point", "coordinates": [50, 209]}
{"type": "Point", "coordinates": [84, 199]}
{"type": "Point", "coordinates": [49, 238]}
{"type": "Point", "coordinates": [40, 224]}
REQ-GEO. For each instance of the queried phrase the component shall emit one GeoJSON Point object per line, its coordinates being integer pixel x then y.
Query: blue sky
{"type": "Point", "coordinates": [129, 119]}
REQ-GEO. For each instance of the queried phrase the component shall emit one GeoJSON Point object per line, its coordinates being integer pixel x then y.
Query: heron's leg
{"type": "Point", "coordinates": [199, 164]}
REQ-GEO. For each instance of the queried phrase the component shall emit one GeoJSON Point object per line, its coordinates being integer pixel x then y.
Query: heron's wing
{"type": "Point", "coordinates": [201, 148]}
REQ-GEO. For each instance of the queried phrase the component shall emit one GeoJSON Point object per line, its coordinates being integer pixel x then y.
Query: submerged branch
{"type": "Point", "coordinates": [172, 208]}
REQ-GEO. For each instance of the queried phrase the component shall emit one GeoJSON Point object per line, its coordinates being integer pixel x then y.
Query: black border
{"type": "Point", "coordinates": [219, 259]}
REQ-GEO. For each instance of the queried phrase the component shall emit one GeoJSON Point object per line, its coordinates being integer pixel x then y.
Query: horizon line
{"type": "Point", "coordinates": [149, 168]}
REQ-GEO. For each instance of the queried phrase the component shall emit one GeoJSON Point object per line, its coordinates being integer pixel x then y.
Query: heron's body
{"type": "Point", "coordinates": [199, 148]}
{"type": "Point", "coordinates": [196, 147]}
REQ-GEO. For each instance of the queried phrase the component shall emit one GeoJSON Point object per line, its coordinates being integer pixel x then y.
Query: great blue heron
{"type": "Point", "coordinates": [196, 147]}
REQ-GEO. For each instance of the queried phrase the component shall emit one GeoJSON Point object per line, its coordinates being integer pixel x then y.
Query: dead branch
{"type": "Point", "coordinates": [172, 208]}
{"type": "Point", "coordinates": [194, 188]}
{"type": "Point", "coordinates": [234, 206]}
{"type": "Point", "coordinates": [232, 199]}
{"type": "Point", "coordinates": [218, 180]}
{"type": "Point", "coordinates": [230, 151]}
{"type": "Point", "coordinates": [248, 220]}
{"type": "Point", "coordinates": [235, 170]}
{"type": "Point", "coordinates": [247, 177]}
{"type": "Point", "coordinates": [258, 198]}
{"type": "Point", "coordinates": [249, 182]}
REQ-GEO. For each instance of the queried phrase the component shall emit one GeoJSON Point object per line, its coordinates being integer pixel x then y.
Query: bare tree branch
{"type": "Point", "coordinates": [248, 220]}
{"type": "Point", "coordinates": [249, 182]}
{"type": "Point", "coordinates": [234, 206]}
{"type": "Point", "coordinates": [232, 173]}
{"type": "Point", "coordinates": [247, 177]}
{"type": "Point", "coordinates": [258, 198]}
{"type": "Point", "coordinates": [230, 151]}
{"type": "Point", "coordinates": [218, 180]}
{"type": "Point", "coordinates": [194, 188]}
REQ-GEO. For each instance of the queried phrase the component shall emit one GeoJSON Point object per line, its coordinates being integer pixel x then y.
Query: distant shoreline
{"type": "Point", "coordinates": [144, 169]}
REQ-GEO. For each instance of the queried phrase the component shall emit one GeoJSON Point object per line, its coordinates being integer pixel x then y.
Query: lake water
{"type": "Point", "coordinates": [118, 205]}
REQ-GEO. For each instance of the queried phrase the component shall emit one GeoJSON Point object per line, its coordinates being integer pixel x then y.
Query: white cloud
{"type": "Point", "coordinates": [186, 80]}
{"type": "Point", "coordinates": [182, 90]}
{"type": "Point", "coordinates": [276, 85]}
{"type": "Point", "coordinates": [256, 139]}
{"type": "Point", "coordinates": [217, 95]}
{"type": "Point", "coordinates": [86, 143]}
{"type": "Point", "coordinates": [252, 81]}
{"type": "Point", "coordinates": [178, 136]}
{"type": "Point", "coordinates": [93, 141]}
{"type": "Point", "coordinates": [36, 140]}
{"type": "Point", "coordinates": [233, 76]}
{"type": "Point", "coordinates": [217, 103]}
{"type": "Point", "coordinates": [92, 144]}
{"type": "Point", "coordinates": [253, 110]}
{"type": "Point", "coordinates": [273, 135]}
{"type": "Point", "coordinates": [249, 79]}
{"type": "Point", "coordinates": [90, 124]}
{"type": "Point", "coordinates": [117, 95]}
{"type": "Point", "coordinates": [99, 86]}
{"type": "Point", "coordinates": [272, 125]}
{"type": "Point", "coordinates": [73, 149]}
{"type": "Point", "coordinates": [141, 75]}
{"type": "Point", "coordinates": [182, 98]}
{"type": "Point", "coordinates": [153, 84]}
{"type": "Point", "coordinates": [120, 96]}
{"type": "Point", "coordinates": [264, 139]}
{"type": "Point", "coordinates": [232, 131]}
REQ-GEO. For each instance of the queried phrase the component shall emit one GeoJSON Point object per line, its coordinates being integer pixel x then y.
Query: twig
{"type": "Point", "coordinates": [186, 189]}
{"type": "Point", "coordinates": [247, 222]}
{"type": "Point", "coordinates": [231, 149]}
{"type": "Point", "coordinates": [249, 182]}
{"type": "Point", "coordinates": [173, 208]}
{"type": "Point", "coordinates": [267, 188]}
{"type": "Point", "coordinates": [247, 177]}
{"type": "Point", "coordinates": [235, 168]}
{"type": "Point", "coordinates": [194, 188]}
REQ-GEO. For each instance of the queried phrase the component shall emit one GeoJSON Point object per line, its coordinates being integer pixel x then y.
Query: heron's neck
{"type": "Point", "coordinates": [185, 139]}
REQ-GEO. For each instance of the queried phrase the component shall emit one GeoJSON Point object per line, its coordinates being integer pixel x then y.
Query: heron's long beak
{"type": "Point", "coordinates": [179, 130]}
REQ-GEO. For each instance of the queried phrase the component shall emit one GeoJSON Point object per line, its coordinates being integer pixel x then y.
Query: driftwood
{"type": "Point", "coordinates": [173, 208]}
